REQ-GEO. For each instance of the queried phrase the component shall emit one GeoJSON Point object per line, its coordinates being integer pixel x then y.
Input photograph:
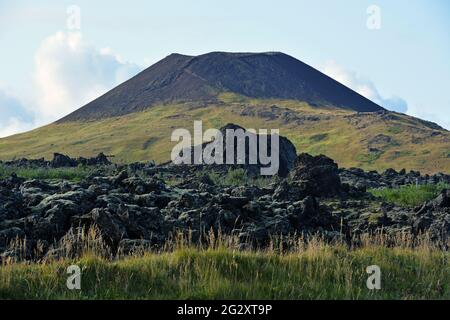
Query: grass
{"type": "Point", "coordinates": [218, 270]}
{"type": "Point", "coordinates": [370, 157]}
{"type": "Point", "coordinates": [410, 195]}
{"type": "Point", "coordinates": [239, 177]}
{"type": "Point", "coordinates": [234, 177]}
{"type": "Point", "coordinates": [72, 174]}
{"type": "Point", "coordinates": [318, 137]}
{"type": "Point", "coordinates": [395, 129]}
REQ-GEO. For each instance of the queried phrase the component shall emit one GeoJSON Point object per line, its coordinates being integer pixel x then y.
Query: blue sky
{"type": "Point", "coordinates": [48, 70]}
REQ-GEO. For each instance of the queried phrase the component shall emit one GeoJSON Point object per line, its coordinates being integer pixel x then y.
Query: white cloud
{"type": "Point", "coordinates": [363, 86]}
{"type": "Point", "coordinates": [366, 88]}
{"type": "Point", "coordinates": [14, 125]}
{"type": "Point", "coordinates": [69, 72]}
{"type": "Point", "coordinates": [424, 113]}
{"type": "Point", "coordinates": [14, 116]}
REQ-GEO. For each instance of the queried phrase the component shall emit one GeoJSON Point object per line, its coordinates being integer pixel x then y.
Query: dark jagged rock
{"type": "Point", "coordinates": [316, 176]}
{"type": "Point", "coordinates": [442, 201]}
{"type": "Point", "coordinates": [100, 159]}
{"type": "Point", "coordinates": [59, 161]}
{"type": "Point", "coordinates": [389, 178]}
{"type": "Point", "coordinates": [286, 151]}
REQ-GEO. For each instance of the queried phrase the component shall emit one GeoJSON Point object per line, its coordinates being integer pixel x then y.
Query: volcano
{"type": "Point", "coordinates": [181, 78]}
{"type": "Point", "coordinates": [134, 121]}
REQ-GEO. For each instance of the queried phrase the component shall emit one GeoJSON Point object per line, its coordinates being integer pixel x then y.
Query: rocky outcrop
{"type": "Point", "coordinates": [59, 161]}
{"type": "Point", "coordinates": [435, 216]}
{"type": "Point", "coordinates": [319, 175]}
{"type": "Point", "coordinates": [389, 178]}
{"type": "Point", "coordinates": [285, 151]}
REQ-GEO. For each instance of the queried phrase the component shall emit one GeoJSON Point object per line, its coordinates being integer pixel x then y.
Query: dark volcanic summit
{"type": "Point", "coordinates": [201, 78]}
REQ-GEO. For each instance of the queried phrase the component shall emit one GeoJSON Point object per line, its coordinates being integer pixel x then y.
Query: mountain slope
{"type": "Point", "coordinates": [378, 140]}
{"type": "Point", "coordinates": [202, 78]}
{"type": "Point", "coordinates": [134, 121]}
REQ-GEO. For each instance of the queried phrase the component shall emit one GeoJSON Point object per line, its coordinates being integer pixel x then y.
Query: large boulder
{"type": "Point", "coordinates": [286, 151]}
{"type": "Point", "coordinates": [61, 160]}
{"type": "Point", "coordinates": [110, 225]}
{"type": "Point", "coordinates": [318, 176]}
{"type": "Point", "coordinates": [442, 201]}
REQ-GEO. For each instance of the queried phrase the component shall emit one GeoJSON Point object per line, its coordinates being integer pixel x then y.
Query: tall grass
{"type": "Point", "coordinates": [410, 195]}
{"type": "Point", "coordinates": [220, 269]}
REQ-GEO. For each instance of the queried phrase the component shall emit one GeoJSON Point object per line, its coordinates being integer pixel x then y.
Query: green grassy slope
{"type": "Point", "coordinates": [370, 141]}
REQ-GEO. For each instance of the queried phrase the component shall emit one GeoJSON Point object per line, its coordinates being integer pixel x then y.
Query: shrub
{"type": "Point", "coordinates": [410, 195]}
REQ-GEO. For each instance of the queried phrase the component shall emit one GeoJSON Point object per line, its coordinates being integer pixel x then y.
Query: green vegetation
{"type": "Point", "coordinates": [71, 174]}
{"type": "Point", "coordinates": [395, 129]}
{"type": "Point", "coordinates": [239, 177]}
{"type": "Point", "coordinates": [312, 271]}
{"type": "Point", "coordinates": [234, 177]}
{"type": "Point", "coordinates": [369, 157]}
{"type": "Point", "coordinates": [410, 195]}
{"type": "Point", "coordinates": [318, 137]}
{"type": "Point", "coordinates": [401, 154]}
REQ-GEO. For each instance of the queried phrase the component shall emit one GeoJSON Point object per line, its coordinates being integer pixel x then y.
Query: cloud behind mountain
{"type": "Point", "coordinates": [15, 117]}
{"type": "Point", "coordinates": [363, 86]}
{"type": "Point", "coordinates": [70, 72]}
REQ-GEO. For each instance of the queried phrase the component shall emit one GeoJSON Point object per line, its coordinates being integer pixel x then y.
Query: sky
{"type": "Point", "coordinates": [56, 56]}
